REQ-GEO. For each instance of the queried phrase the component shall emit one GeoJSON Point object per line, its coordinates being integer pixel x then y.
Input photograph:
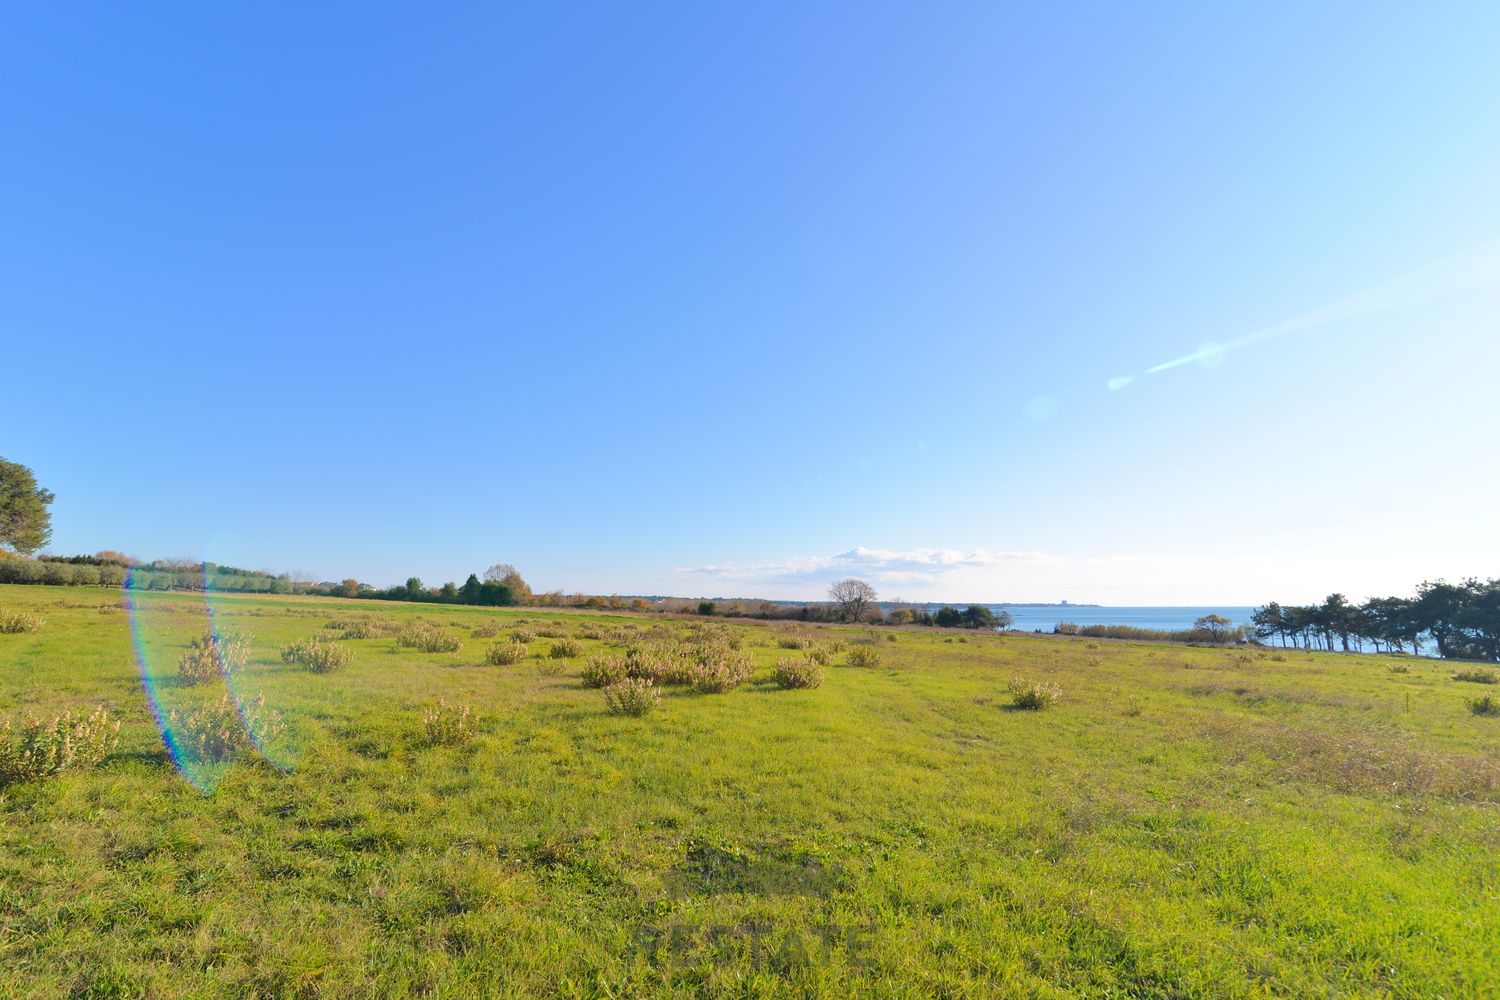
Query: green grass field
{"type": "Point", "coordinates": [1184, 822]}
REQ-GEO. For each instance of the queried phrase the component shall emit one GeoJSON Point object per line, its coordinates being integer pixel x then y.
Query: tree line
{"type": "Point", "coordinates": [1461, 619]}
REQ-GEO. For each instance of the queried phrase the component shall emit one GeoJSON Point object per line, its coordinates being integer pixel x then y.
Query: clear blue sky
{"type": "Point", "coordinates": [710, 300]}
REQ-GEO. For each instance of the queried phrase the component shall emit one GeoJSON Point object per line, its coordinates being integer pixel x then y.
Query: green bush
{"type": "Point", "coordinates": [20, 621]}
{"type": "Point", "coordinates": [317, 655]}
{"type": "Point", "coordinates": [791, 642]}
{"type": "Point", "coordinates": [1033, 695]}
{"type": "Point", "coordinates": [565, 648]}
{"type": "Point", "coordinates": [427, 639]}
{"type": "Point", "coordinates": [224, 730]}
{"type": "Point", "coordinates": [446, 725]}
{"type": "Point", "coordinates": [1488, 705]}
{"type": "Point", "coordinates": [213, 655]}
{"type": "Point", "coordinates": [797, 674]}
{"type": "Point", "coordinates": [864, 656]}
{"type": "Point", "coordinates": [602, 671]}
{"type": "Point", "coordinates": [66, 743]}
{"type": "Point", "coordinates": [631, 696]}
{"type": "Point", "coordinates": [1478, 676]}
{"type": "Point", "coordinates": [503, 654]}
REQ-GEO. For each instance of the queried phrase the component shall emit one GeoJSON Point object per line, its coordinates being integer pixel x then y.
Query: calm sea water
{"type": "Point", "coordinates": [1029, 619]}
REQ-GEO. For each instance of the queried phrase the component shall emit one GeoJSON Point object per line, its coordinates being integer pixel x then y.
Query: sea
{"type": "Point", "coordinates": [1031, 617]}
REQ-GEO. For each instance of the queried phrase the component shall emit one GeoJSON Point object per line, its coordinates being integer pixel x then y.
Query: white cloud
{"type": "Point", "coordinates": [981, 575]}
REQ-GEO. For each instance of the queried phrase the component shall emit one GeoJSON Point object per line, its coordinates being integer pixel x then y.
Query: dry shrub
{"type": "Point", "coordinates": [819, 655]}
{"type": "Point", "coordinates": [791, 674]}
{"type": "Point", "coordinates": [224, 730]}
{"type": "Point", "coordinates": [864, 656]}
{"type": "Point", "coordinates": [563, 649]}
{"type": "Point", "coordinates": [368, 629]}
{"type": "Point", "coordinates": [631, 696]}
{"type": "Point", "coordinates": [427, 639]}
{"type": "Point", "coordinates": [67, 742]}
{"type": "Point", "coordinates": [503, 654]}
{"type": "Point", "coordinates": [446, 725]}
{"type": "Point", "coordinates": [552, 632]}
{"type": "Point", "coordinates": [522, 635]}
{"type": "Point", "coordinates": [718, 677]}
{"type": "Point", "coordinates": [791, 642]}
{"type": "Point", "coordinates": [19, 621]}
{"type": "Point", "coordinates": [213, 655]}
{"type": "Point", "coordinates": [1033, 695]}
{"type": "Point", "coordinates": [602, 671]}
{"type": "Point", "coordinates": [317, 655]}
{"type": "Point", "coordinates": [837, 646]}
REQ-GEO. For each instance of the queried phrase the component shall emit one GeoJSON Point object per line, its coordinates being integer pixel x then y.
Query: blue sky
{"type": "Point", "coordinates": [729, 301]}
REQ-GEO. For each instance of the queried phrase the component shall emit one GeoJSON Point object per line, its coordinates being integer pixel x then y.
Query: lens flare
{"type": "Point", "coordinates": [162, 628]}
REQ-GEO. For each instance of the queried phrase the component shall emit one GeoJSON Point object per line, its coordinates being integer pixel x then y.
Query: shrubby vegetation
{"type": "Point", "coordinates": [317, 655]}
{"type": "Point", "coordinates": [1033, 695]}
{"type": "Point", "coordinates": [213, 655]}
{"type": "Point", "coordinates": [503, 654]}
{"type": "Point", "coordinates": [224, 730]}
{"type": "Point", "coordinates": [20, 621]}
{"type": "Point", "coordinates": [67, 742]}
{"type": "Point", "coordinates": [790, 673]}
{"type": "Point", "coordinates": [631, 696]}
{"type": "Point", "coordinates": [446, 725]}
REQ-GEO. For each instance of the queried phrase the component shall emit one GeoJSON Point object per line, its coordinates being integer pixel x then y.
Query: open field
{"type": "Point", "coordinates": [1184, 822]}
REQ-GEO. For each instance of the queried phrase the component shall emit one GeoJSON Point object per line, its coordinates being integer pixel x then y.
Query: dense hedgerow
{"type": "Point", "coordinates": [18, 622]}
{"type": "Point", "coordinates": [318, 656]}
{"type": "Point", "coordinates": [1033, 695]}
{"type": "Point", "coordinates": [213, 655]}
{"type": "Point", "coordinates": [631, 696]}
{"type": "Point", "coordinates": [797, 674]}
{"type": "Point", "coordinates": [224, 730]}
{"type": "Point", "coordinates": [67, 742]}
{"type": "Point", "coordinates": [503, 654]}
{"type": "Point", "coordinates": [446, 725]}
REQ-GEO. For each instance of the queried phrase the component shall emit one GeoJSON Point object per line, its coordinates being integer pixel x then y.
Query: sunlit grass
{"type": "Point", "coordinates": [1181, 822]}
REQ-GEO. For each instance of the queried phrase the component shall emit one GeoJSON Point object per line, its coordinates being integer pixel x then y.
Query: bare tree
{"type": "Point", "coordinates": [854, 598]}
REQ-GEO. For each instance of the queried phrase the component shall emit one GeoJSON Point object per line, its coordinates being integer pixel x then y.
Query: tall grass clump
{"type": "Point", "coordinates": [223, 731]}
{"type": "Point", "coordinates": [317, 655]}
{"type": "Point", "coordinates": [67, 742]}
{"type": "Point", "coordinates": [602, 671]}
{"type": "Point", "coordinates": [1478, 676]}
{"type": "Point", "coordinates": [522, 635]}
{"type": "Point", "coordinates": [1488, 705]}
{"type": "Point", "coordinates": [19, 621]}
{"type": "Point", "coordinates": [791, 642]}
{"type": "Point", "coordinates": [864, 656]}
{"type": "Point", "coordinates": [631, 696]}
{"type": "Point", "coordinates": [1032, 695]}
{"type": "Point", "coordinates": [487, 630]}
{"type": "Point", "coordinates": [213, 655]}
{"type": "Point", "coordinates": [445, 725]}
{"type": "Point", "coordinates": [503, 654]}
{"type": "Point", "coordinates": [791, 674]}
{"type": "Point", "coordinates": [563, 649]}
{"type": "Point", "coordinates": [427, 639]}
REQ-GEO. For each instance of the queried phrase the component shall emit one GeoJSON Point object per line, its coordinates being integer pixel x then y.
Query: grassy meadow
{"type": "Point", "coordinates": [1183, 822]}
